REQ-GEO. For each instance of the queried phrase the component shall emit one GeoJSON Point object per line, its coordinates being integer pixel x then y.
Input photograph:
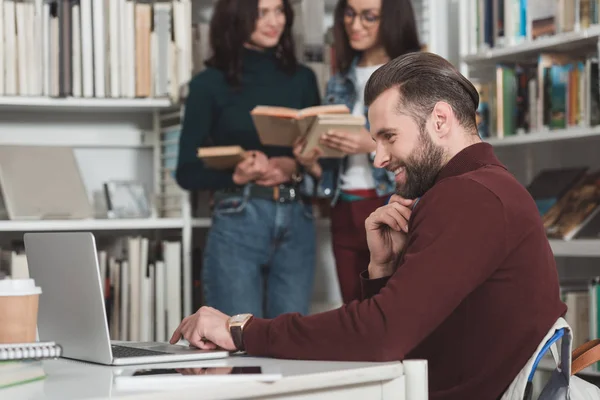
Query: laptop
{"type": "Point", "coordinates": [72, 311]}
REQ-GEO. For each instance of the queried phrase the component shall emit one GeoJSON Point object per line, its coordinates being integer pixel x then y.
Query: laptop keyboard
{"type": "Point", "coordinates": [125, 352]}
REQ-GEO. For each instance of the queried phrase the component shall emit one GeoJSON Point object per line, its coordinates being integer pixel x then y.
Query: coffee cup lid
{"type": "Point", "coordinates": [18, 287]}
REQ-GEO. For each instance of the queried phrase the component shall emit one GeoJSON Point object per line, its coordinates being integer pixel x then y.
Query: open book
{"type": "Point", "coordinates": [281, 126]}
{"type": "Point", "coordinates": [221, 157]}
{"type": "Point", "coordinates": [326, 122]}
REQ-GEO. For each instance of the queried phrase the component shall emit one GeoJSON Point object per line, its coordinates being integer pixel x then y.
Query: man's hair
{"type": "Point", "coordinates": [231, 26]}
{"type": "Point", "coordinates": [397, 31]}
{"type": "Point", "coordinates": [422, 80]}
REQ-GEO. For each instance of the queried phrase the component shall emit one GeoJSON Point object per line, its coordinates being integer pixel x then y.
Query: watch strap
{"type": "Point", "coordinates": [237, 334]}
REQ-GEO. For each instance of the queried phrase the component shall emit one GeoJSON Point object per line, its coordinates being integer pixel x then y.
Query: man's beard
{"type": "Point", "coordinates": [421, 168]}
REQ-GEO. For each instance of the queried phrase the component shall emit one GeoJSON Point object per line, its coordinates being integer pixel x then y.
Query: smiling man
{"type": "Point", "coordinates": [465, 279]}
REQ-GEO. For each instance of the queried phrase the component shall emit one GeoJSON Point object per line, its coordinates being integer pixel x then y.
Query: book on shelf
{"type": "Point", "coordinates": [170, 196]}
{"type": "Point", "coordinates": [504, 23]}
{"type": "Point", "coordinates": [575, 209]}
{"type": "Point", "coordinates": [550, 185]}
{"type": "Point", "coordinates": [282, 126]}
{"type": "Point", "coordinates": [557, 92]}
{"type": "Point", "coordinates": [221, 157]}
{"type": "Point", "coordinates": [102, 49]}
{"type": "Point", "coordinates": [143, 287]}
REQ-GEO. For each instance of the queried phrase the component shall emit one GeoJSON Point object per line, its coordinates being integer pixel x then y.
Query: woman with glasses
{"type": "Point", "coordinates": [367, 34]}
{"type": "Point", "coordinates": [260, 251]}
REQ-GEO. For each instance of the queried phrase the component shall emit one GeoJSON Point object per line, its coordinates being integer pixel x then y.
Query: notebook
{"type": "Point", "coordinates": [29, 351]}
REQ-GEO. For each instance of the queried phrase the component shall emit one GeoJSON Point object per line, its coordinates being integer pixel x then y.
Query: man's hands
{"type": "Point", "coordinates": [280, 170]}
{"type": "Point", "coordinates": [206, 329]}
{"type": "Point", "coordinates": [349, 142]}
{"type": "Point", "coordinates": [387, 229]}
{"type": "Point", "coordinates": [254, 165]}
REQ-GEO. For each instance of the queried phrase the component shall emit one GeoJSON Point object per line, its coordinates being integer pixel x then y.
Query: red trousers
{"type": "Point", "coordinates": [349, 240]}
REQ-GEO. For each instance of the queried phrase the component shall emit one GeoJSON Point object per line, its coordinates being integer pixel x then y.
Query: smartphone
{"type": "Point", "coordinates": [198, 371]}
{"type": "Point", "coordinates": [164, 378]}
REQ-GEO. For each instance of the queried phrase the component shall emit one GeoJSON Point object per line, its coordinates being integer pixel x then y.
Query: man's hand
{"type": "Point", "coordinates": [206, 329]}
{"type": "Point", "coordinates": [308, 161]}
{"type": "Point", "coordinates": [280, 170]}
{"type": "Point", "coordinates": [254, 165]}
{"type": "Point", "coordinates": [387, 228]}
{"type": "Point", "coordinates": [349, 142]}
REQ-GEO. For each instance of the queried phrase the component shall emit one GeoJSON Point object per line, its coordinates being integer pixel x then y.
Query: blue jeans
{"type": "Point", "coordinates": [259, 257]}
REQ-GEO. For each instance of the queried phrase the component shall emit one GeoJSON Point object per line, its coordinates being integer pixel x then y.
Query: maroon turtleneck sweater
{"type": "Point", "coordinates": [474, 293]}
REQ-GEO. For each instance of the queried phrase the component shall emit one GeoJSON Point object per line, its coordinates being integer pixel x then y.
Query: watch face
{"type": "Point", "coordinates": [238, 319]}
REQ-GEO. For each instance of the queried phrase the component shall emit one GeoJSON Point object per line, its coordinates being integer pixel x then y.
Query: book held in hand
{"type": "Point", "coordinates": [327, 122]}
{"type": "Point", "coordinates": [281, 126]}
{"type": "Point", "coordinates": [221, 157]}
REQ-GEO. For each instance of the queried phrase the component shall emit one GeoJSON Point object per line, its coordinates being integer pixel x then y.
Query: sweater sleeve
{"type": "Point", "coordinates": [458, 239]}
{"type": "Point", "coordinates": [370, 287]}
{"type": "Point", "coordinates": [191, 173]}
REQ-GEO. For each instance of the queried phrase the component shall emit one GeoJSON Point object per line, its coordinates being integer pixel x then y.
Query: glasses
{"type": "Point", "coordinates": [367, 18]}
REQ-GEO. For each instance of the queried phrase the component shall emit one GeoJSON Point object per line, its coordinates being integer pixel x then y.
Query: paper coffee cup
{"type": "Point", "coordinates": [19, 300]}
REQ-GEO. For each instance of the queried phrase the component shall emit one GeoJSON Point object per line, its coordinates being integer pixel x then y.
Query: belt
{"type": "Point", "coordinates": [280, 194]}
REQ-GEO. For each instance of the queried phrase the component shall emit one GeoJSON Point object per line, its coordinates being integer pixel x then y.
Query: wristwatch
{"type": "Point", "coordinates": [236, 326]}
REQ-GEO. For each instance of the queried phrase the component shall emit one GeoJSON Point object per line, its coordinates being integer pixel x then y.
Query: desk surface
{"type": "Point", "coordinates": [73, 380]}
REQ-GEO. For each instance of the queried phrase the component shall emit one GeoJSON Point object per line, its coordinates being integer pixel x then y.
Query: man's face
{"type": "Point", "coordinates": [403, 148]}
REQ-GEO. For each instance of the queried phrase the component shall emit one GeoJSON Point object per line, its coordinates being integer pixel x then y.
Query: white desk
{"type": "Point", "coordinates": [71, 380]}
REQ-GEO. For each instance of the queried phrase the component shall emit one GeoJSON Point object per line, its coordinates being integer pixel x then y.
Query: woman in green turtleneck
{"type": "Point", "coordinates": [260, 251]}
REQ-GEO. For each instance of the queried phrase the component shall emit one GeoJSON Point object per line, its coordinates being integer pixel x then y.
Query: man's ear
{"type": "Point", "coordinates": [442, 117]}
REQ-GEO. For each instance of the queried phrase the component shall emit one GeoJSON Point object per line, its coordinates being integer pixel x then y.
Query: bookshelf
{"type": "Point", "coordinates": [74, 104]}
{"type": "Point", "coordinates": [546, 136]}
{"type": "Point", "coordinates": [538, 63]}
{"type": "Point", "coordinates": [100, 224]}
{"type": "Point", "coordinates": [531, 151]}
{"type": "Point", "coordinates": [583, 40]}
{"type": "Point", "coordinates": [576, 248]}
{"type": "Point", "coordinates": [95, 77]}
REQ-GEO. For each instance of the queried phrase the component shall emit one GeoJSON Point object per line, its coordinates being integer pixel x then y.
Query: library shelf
{"type": "Point", "coordinates": [545, 136]}
{"type": "Point", "coordinates": [90, 224]}
{"type": "Point", "coordinates": [23, 103]}
{"type": "Point", "coordinates": [585, 39]}
{"type": "Point", "coordinates": [576, 247]}
{"type": "Point", "coordinates": [201, 223]}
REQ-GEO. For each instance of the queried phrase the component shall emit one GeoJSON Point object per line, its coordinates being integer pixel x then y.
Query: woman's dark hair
{"type": "Point", "coordinates": [232, 25]}
{"type": "Point", "coordinates": [397, 32]}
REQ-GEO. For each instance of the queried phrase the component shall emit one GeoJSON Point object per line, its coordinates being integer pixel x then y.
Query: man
{"type": "Point", "coordinates": [464, 277]}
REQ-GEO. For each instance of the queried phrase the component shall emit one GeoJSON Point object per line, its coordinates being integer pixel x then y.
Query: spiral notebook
{"type": "Point", "coordinates": [29, 351]}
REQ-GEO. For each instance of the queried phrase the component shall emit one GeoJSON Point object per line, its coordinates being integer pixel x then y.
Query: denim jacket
{"type": "Point", "coordinates": [341, 89]}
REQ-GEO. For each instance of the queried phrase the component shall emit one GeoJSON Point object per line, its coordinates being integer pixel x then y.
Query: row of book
{"type": "Point", "coordinates": [501, 23]}
{"type": "Point", "coordinates": [89, 48]}
{"type": "Point", "coordinates": [568, 200]}
{"type": "Point", "coordinates": [143, 290]}
{"type": "Point", "coordinates": [557, 92]}
{"type": "Point", "coordinates": [170, 196]}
